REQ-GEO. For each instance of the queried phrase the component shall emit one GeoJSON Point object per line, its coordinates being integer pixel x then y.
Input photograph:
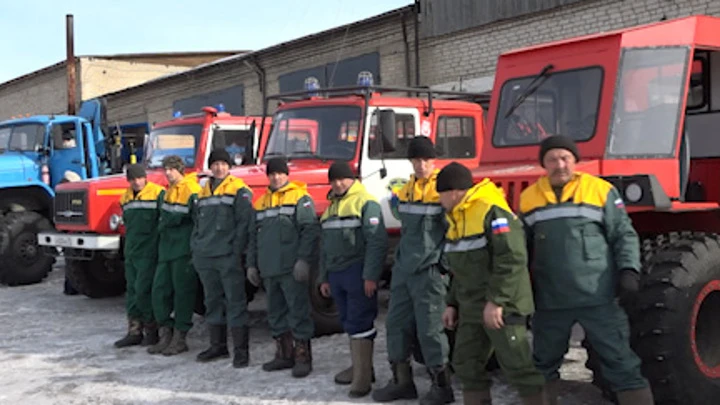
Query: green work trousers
{"type": "Point", "coordinates": [606, 328]}
{"type": "Point", "coordinates": [288, 304]}
{"type": "Point", "coordinates": [139, 273]}
{"type": "Point", "coordinates": [417, 301]}
{"type": "Point", "coordinates": [223, 281]}
{"type": "Point", "coordinates": [174, 289]}
{"type": "Point", "coordinates": [474, 344]}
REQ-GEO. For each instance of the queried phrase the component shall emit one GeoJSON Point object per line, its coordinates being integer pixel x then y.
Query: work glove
{"type": "Point", "coordinates": [253, 276]}
{"type": "Point", "coordinates": [629, 283]}
{"type": "Point", "coordinates": [301, 271]}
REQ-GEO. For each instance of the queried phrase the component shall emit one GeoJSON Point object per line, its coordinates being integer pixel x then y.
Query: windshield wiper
{"type": "Point", "coordinates": [534, 85]}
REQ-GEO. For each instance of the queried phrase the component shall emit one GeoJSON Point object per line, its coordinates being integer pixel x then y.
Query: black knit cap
{"type": "Point", "coordinates": [454, 176]}
{"type": "Point", "coordinates": [221, 155]}
{"type": "Point", "coordinates": [340, 170]}
{"type": "Point", "coordinates": [277, 165]}
{"type": "Point", "coordinates": [558, 142]}
{"type": "Point", "coordinates": [173, 162]}
{"type": "Point", "coordinates": [136, 171]}
{"type": "Point", "coordinates": [421, 147]}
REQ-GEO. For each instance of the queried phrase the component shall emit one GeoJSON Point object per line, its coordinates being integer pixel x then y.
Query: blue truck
{"type": "Point", "coordinates": [36, 154]}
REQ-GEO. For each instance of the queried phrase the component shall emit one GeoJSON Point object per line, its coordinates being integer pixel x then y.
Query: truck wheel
{"type": "Point", "coordinates": [673, 319]}
{"type": "Point", "coordinates": [21, 260]}
{"type": "Point", "coordinates": [324, 312]}
{"type": "Point", "coordinates": [97, 278]}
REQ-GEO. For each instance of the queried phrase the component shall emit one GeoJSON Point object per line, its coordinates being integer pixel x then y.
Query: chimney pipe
{"type": "Point", "coordinates": [70, 65]}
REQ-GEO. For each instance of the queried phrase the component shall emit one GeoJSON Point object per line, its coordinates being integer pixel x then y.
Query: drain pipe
{"type": "Point", "coordinates": [406, 43]}
{"type": "Point", "coordinates": [417, 43]}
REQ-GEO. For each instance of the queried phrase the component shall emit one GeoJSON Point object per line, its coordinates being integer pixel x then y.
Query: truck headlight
{"type": "Point", "coordinates": [633, 192]}
{"type": "Point", "coordinates": [115, 221]}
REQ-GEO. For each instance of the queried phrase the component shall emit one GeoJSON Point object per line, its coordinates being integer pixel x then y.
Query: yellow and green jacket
{"type": "Point", "coordinates": [578, 244]}
{"type": "Point", "coordinates": [223, 219]}
{"type": "Point", "coordinates": [175, 223]}
{"type": "Point", "coordinates": [140, 216]}
{"type": "Point", "coordinates": [353, 232]}
{"type": "Point", "coordinates": [486, 251]}
{"type": "Point", "coordinates": [423, 225]}
{"type": "Point", "coordinates": [287, 229]}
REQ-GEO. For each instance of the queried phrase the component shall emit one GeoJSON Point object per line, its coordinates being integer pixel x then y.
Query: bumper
{"type": "Point", "coordinates": [79, 241]}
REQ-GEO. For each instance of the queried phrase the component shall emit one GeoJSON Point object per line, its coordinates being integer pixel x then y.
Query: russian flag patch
{"type": "Point", "coordinates": [374, 220]}
{"type": "Point", "coordinates": [500, 225]}
{"type": "Point", "coordinates": [619, 203]}
{"type": "Point", "coordinates": [307, 204]}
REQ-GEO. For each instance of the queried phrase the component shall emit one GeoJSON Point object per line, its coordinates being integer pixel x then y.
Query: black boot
{"type": "Point", "coordinates": [401, 386]}
{"type": "Point", "coordinates": [178, 344]}
{"type": "Point", "coordinates": [441, 391]}
{"type": "Point", "coordinates": [151, 337]}
{"type": "Point", "coordinates": [134, 334]}
{"type": "Point", "coordinates": [218, 345]}
{"type": "Point", "coordinates": [241, 339]}
{"type": "Point", "coordinates": [283, 354]}
{"type": "Point", "coordinates": [303, 359]}
{"type": "Point", "coordinates": [166, 335]}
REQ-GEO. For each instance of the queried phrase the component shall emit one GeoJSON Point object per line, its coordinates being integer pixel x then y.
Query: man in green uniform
{"type": "Point", "coordinates": [223, 217]}
{"type": "Point", "coordinates": [175, 279]}
{"type": "Point", "coordinates": [354, 245]}
{"type": "Point", "coordinates": [582, 242]}
{"type": "Point", "coordinates": [282, 253]}
{"type": "Point", "coordinates": [490, 295]}
{"type": "Point", "coordinates": [418, 285]}
{"type": "Point", "coordinates": [140, 216]}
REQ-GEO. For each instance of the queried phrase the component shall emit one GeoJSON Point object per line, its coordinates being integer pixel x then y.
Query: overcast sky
{"type": "Point", "coordinates": [32, 32]}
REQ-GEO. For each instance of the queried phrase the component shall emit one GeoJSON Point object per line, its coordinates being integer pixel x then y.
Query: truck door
{"type": "Point", "coordinates": [67, 151]}
{"type": "Point", "coordinates": [237, 140]}
{"type": "Point", "coordinates": [375, 160]}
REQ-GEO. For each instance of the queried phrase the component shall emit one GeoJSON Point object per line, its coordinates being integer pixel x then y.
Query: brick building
{"type": "Point", "coordinates": [458, 44]}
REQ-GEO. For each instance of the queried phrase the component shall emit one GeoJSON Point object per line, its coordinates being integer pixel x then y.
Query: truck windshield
{"type": "Point", "coordinates": [562, 102]}
{"type": "Point", "coordinates": [181, 140]}
{"type": "Point", "coordinates": [327, 133]}
{"type": "Point", "coordinates": [24, 137]}
{"type": "Point", "coordinates": [648, 98]}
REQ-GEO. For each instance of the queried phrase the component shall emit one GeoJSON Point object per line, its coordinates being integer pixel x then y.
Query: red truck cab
{"type": "Point", "coordinates": [642, 104]}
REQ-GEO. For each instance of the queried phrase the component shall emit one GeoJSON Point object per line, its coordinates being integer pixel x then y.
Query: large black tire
{"type": "Point", "coordinates": [97, 278]}
{"type": "Point", "coordinates": [324, 312]}
{"type": "Point", "coordinates": [673, 319]}
{"type": "Point", "coordinates": [21, 260]}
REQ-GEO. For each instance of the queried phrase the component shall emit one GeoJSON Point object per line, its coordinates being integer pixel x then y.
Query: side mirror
{"type": "Point", "coordinates": [386, 124]}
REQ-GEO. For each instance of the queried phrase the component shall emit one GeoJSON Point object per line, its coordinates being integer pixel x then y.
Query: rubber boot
{"type": "Point", "coordinates": [166, 335]}
{"type": "Point", "coordinates": [151, 334]}
{"type": "Point", "coordinates": [441, 391]}
{"type": "Point", "coordinates": [177, 345]}
{"type": "Point", "coordinates": [241, 353]}
{"type": "Point", "coordinates": [283, 354]}
{"type": "Point", "coordinates": [642, 396]}
{"type": "Point", "coordinates": [345, 377]}
{"type": "Point", "coordinates": [362, 366]}
{"type": "Point", "coordinates": [551, 391]}
{"type": "Point", "coordinates": [218, 345]}
{"type": "Point", "coordinates": [303, 359]}
{"type": "Point", "coordinates": [134, 334]}
{"type": "Point", "coordinates": [401, 386]}
{"type": "Point", "coordinates": [477, 398]}
{"type": "Point", "coordinates": [536, 399]}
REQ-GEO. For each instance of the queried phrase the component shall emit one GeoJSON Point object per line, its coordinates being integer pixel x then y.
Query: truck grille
{"type": "Point", "coordinates": [71, 207]}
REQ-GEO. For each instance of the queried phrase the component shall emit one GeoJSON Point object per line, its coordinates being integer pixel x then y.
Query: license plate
{"type": "Point", "coordinates": [64, 241]}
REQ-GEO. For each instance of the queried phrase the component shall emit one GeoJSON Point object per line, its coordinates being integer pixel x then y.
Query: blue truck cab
{"type": "Point", "coordinates": [37, 153]}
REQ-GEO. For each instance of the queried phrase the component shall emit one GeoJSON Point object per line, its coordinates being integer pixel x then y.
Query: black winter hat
{"type": "Point", "coordinates": [220, 155]}
{"type": "Point", "coordinates": [421, 147]}
{"type": "Point", "coordinates": [136, 171]}
{"type": "Point", "coordinates": [558, 142]}
{"type": "Point", "coordinates": [340, 170]}
{"type": "Point", "coordinates": [277, 165]}
{"type": "Point", "coordinates": [454, 176]}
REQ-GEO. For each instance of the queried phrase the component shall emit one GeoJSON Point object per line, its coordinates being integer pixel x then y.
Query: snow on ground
{"type": "Point", "coordinates": [57, 349]}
